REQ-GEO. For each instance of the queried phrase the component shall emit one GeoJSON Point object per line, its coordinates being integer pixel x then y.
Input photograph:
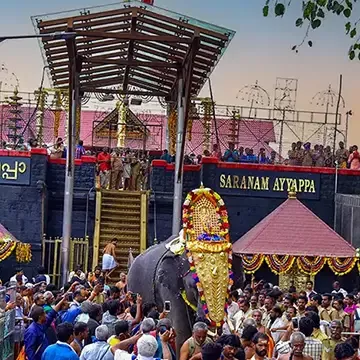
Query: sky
{"type": "Point", "coordinates": [260, 50]}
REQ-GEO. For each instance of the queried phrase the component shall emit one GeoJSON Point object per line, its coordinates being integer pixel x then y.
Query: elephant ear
{"type": "Point", "coordinates": [171, 271]}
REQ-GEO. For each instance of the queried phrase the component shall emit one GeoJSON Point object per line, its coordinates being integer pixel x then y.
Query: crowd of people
{"type": "Point", "coordinates": [90, 320]}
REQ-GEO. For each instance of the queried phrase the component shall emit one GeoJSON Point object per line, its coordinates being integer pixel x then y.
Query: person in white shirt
{"type": "Point", "coordinates": [243, 314]}
{"type": "Point", "coordinates": [338, 289]}
{"type": "Point", "coordinates": [276, 323]}
{"type": "Point", "coordinates": [19, 271]}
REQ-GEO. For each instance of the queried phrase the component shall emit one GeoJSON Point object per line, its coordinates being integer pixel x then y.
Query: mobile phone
{"type": "Point", "coordinates": [295, 322]}
{"type": "Point", "coordinates": [167, 306]}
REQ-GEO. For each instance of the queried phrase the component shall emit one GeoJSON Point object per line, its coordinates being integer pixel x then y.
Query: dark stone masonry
{"type": "Point", "coordinates": [31, 210]}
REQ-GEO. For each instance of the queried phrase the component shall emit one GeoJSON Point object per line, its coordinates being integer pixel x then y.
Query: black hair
{"type": "Point", "coordinates": [310, 282]}
{"type": "Point", "coordinates": [235, 295]}
{"type": "Point", "coordinates": [353, 341]}
{"type": "Point", "coordinates": [259, 336]}
{"type": "Point", "coordinates": [211, 351]}
{"type": "Point", "coordinates": [51, 287]}
{"type": "Point", "coordinates": [351, 296]}
{"type": "Point", "coordinates": [147, 307]}
{"type": "Point", "coordinates": [114, 290]}
{"type": "Point", "coordinates": [328, 295]}
{"type": "Point", "coordinates": [343, 351]}
{"type": "Point", "coordinates": [94, 311]}
{"type": "Point", "coordinates": [290, 298]}
{"type": "Point", "coordinates": [79, 328]}
{"type": "Point", "coordinates": [292, 289]}
{"type": "Point", "coordinates": [339, 300]}
{"type": "Point", "coordinates": [306, 326]}
{"type": "Point", "coordinates": [315, 318]}
{"type": "Point", "coordinates": [36, 313]}
{"type": "Point", "coordinates": [278, 310]}
{"type": "Point", "coordinates": [317, 298]}
{"type": "Point", "coordinates": [303, 297]}
{"type": "Point", "coordinates": [312, 308]}
{"type": "Point", "coordinates": [113, 307]}
{"type": "Point", "coordinates": [249, 332]}
{"type": "Point", "coordinates": [154, 314]}
{"type": "Point", "coordinates": [76, 293]}
{"type": "Point", "coordinates": [121, 327]}
{"type": "Point", "coordinates": [231, 340]}
{"type": "Point", "coordinates": [64, 331]}
{"type": "Point", "coordinates": [67, 286]}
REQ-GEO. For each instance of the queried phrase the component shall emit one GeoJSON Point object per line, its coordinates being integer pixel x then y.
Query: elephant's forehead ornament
{"type": "Point", "coordinates": [208, 248]}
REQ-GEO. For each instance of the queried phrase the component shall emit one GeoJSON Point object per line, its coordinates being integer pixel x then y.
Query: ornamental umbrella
{"type": "Point", "coordinates": [5, 235]}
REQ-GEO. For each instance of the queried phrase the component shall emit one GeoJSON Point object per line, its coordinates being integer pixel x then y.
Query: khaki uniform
{"type": "Point", "coordinates": [345, 319]}
{"type": "Point", "coordinates": [117, 170]}
{"type": "Point", "coordinates": [319, 335]}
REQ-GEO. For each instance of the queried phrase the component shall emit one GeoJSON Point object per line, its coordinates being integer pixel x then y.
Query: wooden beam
{"type": "Point", "coordinates": [130, 52]}
{"type": "Point", "coordinates": [135, 63]}
{"type": "Point", "coordinates": [121, 92]}
{"type": "Point", "coordinates": [128, 36]}
{"type": "Point", "coordinates": [98, 15]}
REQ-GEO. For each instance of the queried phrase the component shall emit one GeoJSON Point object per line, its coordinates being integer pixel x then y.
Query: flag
{"type": "Point", "coordinates": [149, 2]}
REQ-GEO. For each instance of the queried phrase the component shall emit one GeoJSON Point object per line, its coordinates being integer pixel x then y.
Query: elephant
{"type": "Point", "coordinates": [159, 275]}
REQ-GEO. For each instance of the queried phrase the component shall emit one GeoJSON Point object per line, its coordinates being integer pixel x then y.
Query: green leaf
{"type": "Point", "coordinates": [349, 4]}
{"type": "Point", "coordinates": [316, 23]}
{"type": "Point", "coordinates": [321, 2]}
{"type": "Point", "coordinates": [299, 22]}
{"type": "Point", "coordinates": [329, 5]}
{"type": "Point", "coordinates": [352, 55]}
{"type": "Point", "coordinates": [310, 43]}
{"type": "Point", "coordinates": [340, 9]}
{"type": "Point", "coordinates": [357, 46]}
{"type": "Point", "coordinates": [279, 9]}
{"type": "Point", "coordinates": [348, 27]}
{"type": "Point", "coordinates": [309, 7]}
{"type": "Point", "coordinates": [353, 33]}
{"type": "Point", "coordinates": [321, 13]}
{"type": "Point", "coordinates": [266, 10]}
{"type": "Point", "coordinates": [347, 13]}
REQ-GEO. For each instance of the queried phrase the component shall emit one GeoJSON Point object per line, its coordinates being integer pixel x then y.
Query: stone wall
{"type": "Point", "coordinates": [31, 210]}
{"type": "Point", "coordinates": [244, 211]}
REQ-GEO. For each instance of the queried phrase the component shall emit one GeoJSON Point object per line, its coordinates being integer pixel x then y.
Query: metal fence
{"type": "Point", "coordinates": [51, 256]}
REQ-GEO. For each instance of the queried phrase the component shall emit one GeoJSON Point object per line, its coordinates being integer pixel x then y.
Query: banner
{"type": "Point", "coordinates": [263, 183]}
{"type": "Point", "coordinates": [14, 170]}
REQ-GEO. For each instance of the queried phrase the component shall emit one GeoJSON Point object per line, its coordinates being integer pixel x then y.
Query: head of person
{"type": "Point", "coordinates": [249, 322]}
{"type": "Point", "coordinates": [163, 325]}
{"type": "Point", "coordinates": [49, 297]}
{"type": "Point", "coordinates": [314, 317]}
{"type": "Point", "coordinates": [102, 333]}
{"type": "Point", "coordinates": [231, 146]}
{"type": "Point", "coordinates": [309, 285]}
{"type": "Point", "coordinates": [336, 329]}
{"type": "Point", "coordinates": [306, 326]}
{"type": "Point", "coordinates": [147, 346]}
{"type": "Point", "coordinates": [115, 292]}
{"type": "Point", "coordinates": [349, 299]}
{"type": "Point", "coordinates": [39, 299]}
{"type": "Point", "coordinates": [248, 291]}
{"type": "Point", "coordinates": [247, 335]}
{"type": "Point", "coordinates": [288, 301]}
{"type": "Point", "coordinates": [290, 312]}
{"type": "Point", "coordinates": [244, 305]}
{"type": "Point", "coordinates": [354, 148]}
{"type": "Point", "coordinates": [315, 300]}
{"type": "Point", "coordinates": [81, 330]}
{"type": "Point", "coordinates": [344, 351]}
{"type": "Point", "coordinates": [276, 312]}
{"type": "Point", "coordinates": [81, 143]}
{"type": "Point", "coordinates": [301, 302]}
{"type": "Point", "coordinates": [38, 315]}
{"type": "Point", "coordinates": [165, 152]}
{"type": "Point", "coordinates": [95, 312]}
{"type": "Point", "coordinates": [268, 303]}
{"type": "Point", "coordinates": [230, 344]}
{"type": "Point", "coordinates": [97, 271]}
{"type": "Point", "coordinates": [147, 325]}
{"type": "Point", "coordinates": [123, 277]}
{"type": "Point", "coordinates": [326, 300]}
{"type": "Point", "coordinates": [261, 344]}
{"type": "Point", "coordinates": [114, 307]}
{"type": "Point", "coordinates": [122, 329]}
{"type": "Point", "coordinates": [293, 146]}
{"type": "Point", "coordinates": [65, 332]}
{"type": "Point", "coordinates": [336, 285]}
{"type": "Point", "coordinates": [297, 343]}
{"type": "Point", "coordinates": [257, 316]}
{"type": "Point", "coordinates": [79, 295]}
{"type": "Point", "coordinates": [200, 330]}
{"type": "Point", "coordinates": [105, 150]}
{"type": "Point", "coordinates": [114, 241]}
{"type": "Point", "coordinates": [19, 300]}
{"type": "Point", "coordinates": [338, 304]}
{"type": "Point", "coordinates": [298, 145]}
{"type": "Point", "coordinates": [19, 279]}
{"type": "Point", "coordinates": [19, 271]}
{"type": "Point", "coordinates": [262, 297]}
{"type": "Point", "coordinates": [212, 351]}
{"type": "Point", "coordinates": [254, 301]}
{"type": "Point", "coordinates": [147, 308]}
{"type": "Point", "coordinates": [341, 145]}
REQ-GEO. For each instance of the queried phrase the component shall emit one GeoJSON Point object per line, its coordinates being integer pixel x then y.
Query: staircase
{"type": "Point", "coordinates": [120, 214]}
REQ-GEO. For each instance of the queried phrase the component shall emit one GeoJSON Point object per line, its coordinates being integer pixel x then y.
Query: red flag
{"type": "Point", "coordinates": [150, 2]}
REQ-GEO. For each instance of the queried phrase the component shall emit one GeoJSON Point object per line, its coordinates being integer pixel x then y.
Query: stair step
{"type": "Point", "coordinates": [106, 206]}
{"type": "Point", "coordinates": [115, 200]}
{"type": "Point", "coordinates": [105, 238]}
{"type": "Point", "coordinates": [119, 225]}
{"type": "Point", "coordinates": [134, 232]}
{"type": "Point", "coordinates": [121, 193]}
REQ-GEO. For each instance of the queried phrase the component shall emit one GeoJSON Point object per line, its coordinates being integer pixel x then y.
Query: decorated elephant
{"type": "Point", "coordinates": [193, 271]}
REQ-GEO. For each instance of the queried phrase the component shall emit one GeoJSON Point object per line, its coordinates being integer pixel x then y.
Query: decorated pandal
{"type": "Point", "coordinates": [296, 245]}
{"type": "Point", "coordinates": [9, 244]}
{"type": "Point", "coordinates": [205, 239]}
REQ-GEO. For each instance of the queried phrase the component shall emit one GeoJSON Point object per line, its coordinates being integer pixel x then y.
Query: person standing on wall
{"type": "Point", "coordinates": [104, 161]}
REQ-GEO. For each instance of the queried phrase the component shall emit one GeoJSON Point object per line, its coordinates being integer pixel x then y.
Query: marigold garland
{"type": "Point", "coordinates": [280, 264]}
{"type": "Point", "coordinates": [310, 265]}
{"type": "Point", "coordinates": [172, 126]}
{"type": "Point", "coordinates": [23, 253]}
{"type": "Point", "coordinates": [252, 263]}
{"type": "Point", "coordinates": [341, 266]}
{"type": "Point", "coordinates": [6, 248]}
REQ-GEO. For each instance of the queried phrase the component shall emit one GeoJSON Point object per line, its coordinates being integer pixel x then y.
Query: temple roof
{"type": "Point", "coordinates": [292, 229]}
